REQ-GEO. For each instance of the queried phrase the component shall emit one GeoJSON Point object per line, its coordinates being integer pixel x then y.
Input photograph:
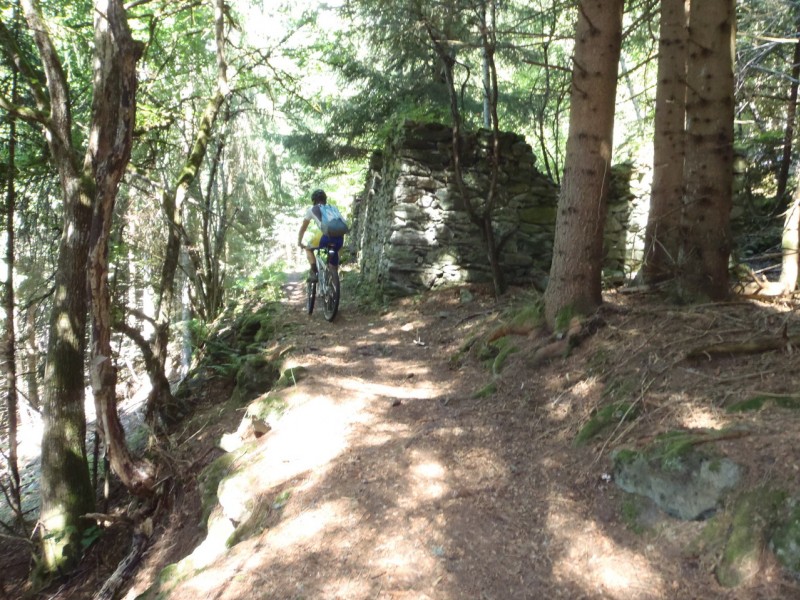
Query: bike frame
{"type": "Point", "coordinates": [327, 284]}
{"type": "Point", "coordinates": [322, 266]}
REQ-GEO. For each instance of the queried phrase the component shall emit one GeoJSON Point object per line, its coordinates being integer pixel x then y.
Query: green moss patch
{"type": "Point", "coordinates": [759, 402]}
{"type": "Point", "coordinates": [209, 481]}
{"type": "Point", "coordinates": [267, 406]}
{"type": "Point", "coordinates": [500, 360]}
{"type": "Point", "coordinates": [673, 448]}
{"type": "Point", "coordinates": [749, 521]}
{"type": "Point", "coordinates": [488, 390]}
{"type": "Point", "coordinates": [611, 414]}
{"type": "Point", "coordinates": [291, 377]}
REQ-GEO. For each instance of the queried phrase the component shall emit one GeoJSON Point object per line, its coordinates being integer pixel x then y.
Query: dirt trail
{"type": "Point", "coordinates": [387, 480]}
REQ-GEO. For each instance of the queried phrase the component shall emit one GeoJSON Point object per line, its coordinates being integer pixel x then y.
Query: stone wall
{"type": "Point", "coordinates": [410, 236]}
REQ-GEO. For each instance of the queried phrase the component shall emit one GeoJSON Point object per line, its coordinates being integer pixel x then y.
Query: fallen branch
{"type": "Point", "coordinates": [143, 522]}
{"type": "Point", "coordinates": [125, 568]}
{"type": "Point", "coordinates": [754, 346]}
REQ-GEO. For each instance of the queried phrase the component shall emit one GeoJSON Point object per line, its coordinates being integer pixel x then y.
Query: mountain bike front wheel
{"type": "Point", "coordinates": [330, 300]}
{"type": "Point", "coordinates": [311, 295]}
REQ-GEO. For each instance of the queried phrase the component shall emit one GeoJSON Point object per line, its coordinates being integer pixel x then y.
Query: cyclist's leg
{"type": "Point", "coordinates": [333, 258]}
{"type": "Point", "coordinates": [312, 261]}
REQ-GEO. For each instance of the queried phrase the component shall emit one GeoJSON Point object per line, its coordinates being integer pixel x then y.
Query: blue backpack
{"type": "Point", "coordinates": [333, 224]}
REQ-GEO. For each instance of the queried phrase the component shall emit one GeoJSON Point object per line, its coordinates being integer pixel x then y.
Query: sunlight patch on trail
{"type": "Point", "coordinates": [699, 417]}
{"type": "Point", "coordinates": [428, 478]}
{"type": "Point", "coordinates": [311, 523]}
{"type": "Point", "coordinates": [369, 388]}
{"type": "Point", "coordinates": [588, 557]}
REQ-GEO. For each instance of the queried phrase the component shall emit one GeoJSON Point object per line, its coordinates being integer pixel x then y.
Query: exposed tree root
{"type": "Point", "coordinates": [754, 346]}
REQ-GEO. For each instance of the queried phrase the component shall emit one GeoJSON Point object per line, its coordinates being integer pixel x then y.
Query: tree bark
{"type": "Point", "coordinates": [790, 244]}
{"type": "Point", "coordinates": [662, 234]}
{"type": "Point", "coordinates": [708, 172]}
{"type": "Point", "coordinates": [110, 140]}
{"type": "Point", "coordinates": [66, 491]}
{"type": "Point", "coordinates": [9, 350]}
{"type": "Point", "coordinates": [575, 274]}
{"type": "Point", "coordinates": [788, 135]}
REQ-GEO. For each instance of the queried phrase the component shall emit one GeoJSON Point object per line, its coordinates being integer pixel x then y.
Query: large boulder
{"type": "Point", "coordinates": [682, 480]}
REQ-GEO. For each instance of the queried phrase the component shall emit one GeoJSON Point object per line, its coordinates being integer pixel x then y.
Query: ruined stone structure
{"type": "Point", "coordinates": [410, 234]}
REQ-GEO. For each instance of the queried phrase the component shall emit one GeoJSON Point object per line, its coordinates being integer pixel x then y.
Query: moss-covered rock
{"type": "Point", "coordinates": [785, 541]}
{"type": "Point", "coordinates": [683, 481]}
{"type": "Point", "coordinates": [751, 517]}
{"type": "Point", "coordinates": [256, 326]}
{"type": "Point", "coordinates": [266, 407]}
{"type": "Point", "coordinates": [255, 376]}
{"type": "Point", "coordinates": [209, 481]}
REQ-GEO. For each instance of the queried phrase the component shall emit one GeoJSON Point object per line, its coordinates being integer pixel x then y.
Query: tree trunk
{"type": "Point", "coordinates": [66, 491]}
{"type": "Point", "coordinates": [662, 235]}
{"type": "Point", "coordinates": [788, 134]}
{"type": "Point", "coordinates": [31, 359]}
{"type": "Point", "coordinates": [708, 172]}
{"type": "Point", "coordinates": [10, 353]}
{"type": "Point", "coordinates": [790, 244]}
{"type": "Point", "coordinates": [110, 139]}
{"type": "Point", "coordinates": [575, 275]}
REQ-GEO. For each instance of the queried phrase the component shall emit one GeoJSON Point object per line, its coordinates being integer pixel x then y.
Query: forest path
{"type": "Point", "coordinates": [386, 478]}
{"type": "Point", "coordinates": [390, 481]}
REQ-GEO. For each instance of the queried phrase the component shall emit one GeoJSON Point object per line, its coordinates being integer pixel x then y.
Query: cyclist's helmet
{"type": "Point", "coordinates": [319, 197]}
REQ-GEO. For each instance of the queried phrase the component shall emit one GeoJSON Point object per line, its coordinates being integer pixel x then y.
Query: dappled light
{"type": "Point", "coordinates": [697, 416]}
{"type": "Point", "coordinates": [553, 352]}
{"type": "Point", "coordinates": [583, 554]}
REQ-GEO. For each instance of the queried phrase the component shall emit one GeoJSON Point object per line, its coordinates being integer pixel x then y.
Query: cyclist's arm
{"type": "Point", "coordinates": [302, 231]}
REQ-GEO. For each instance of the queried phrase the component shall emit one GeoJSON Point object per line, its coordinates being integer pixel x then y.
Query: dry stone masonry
{"type": "Point", "coordinates": [410, 235]}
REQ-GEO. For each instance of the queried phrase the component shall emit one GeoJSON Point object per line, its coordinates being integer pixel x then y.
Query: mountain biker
{"type": "Point", "coordinates": [318, 239]}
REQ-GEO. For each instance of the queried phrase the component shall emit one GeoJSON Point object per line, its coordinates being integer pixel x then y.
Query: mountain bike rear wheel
{"type": "Point", "coordinates": [330, 300]}
{"type": "Point", "coordinates": [311, 295]}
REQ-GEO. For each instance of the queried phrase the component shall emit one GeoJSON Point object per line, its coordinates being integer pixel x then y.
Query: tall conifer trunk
{"type": "Point", "coordinates": [708, 172]}
{"type": "Point", "coordinates": [575, 275]}
{"type": "Point", "coordinates": [662, 235]}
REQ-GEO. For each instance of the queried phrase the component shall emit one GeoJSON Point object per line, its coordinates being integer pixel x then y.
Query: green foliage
{"type": "Point", "coordinates": [463, 350]}
{"type": "Point", "coordinates": [266, 281]}
{"type": "Point", "coordinates": [290, 377]}
{"type": "Point", "coordinates": [198, 332]}
{"type": "Point", "coordinates": [90, 535]}
{"type": "Point", "coordinates": [500, 359]}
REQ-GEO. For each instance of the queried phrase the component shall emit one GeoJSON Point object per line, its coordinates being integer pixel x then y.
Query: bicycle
{"type": "Point", "coordinates": [328, 284]}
